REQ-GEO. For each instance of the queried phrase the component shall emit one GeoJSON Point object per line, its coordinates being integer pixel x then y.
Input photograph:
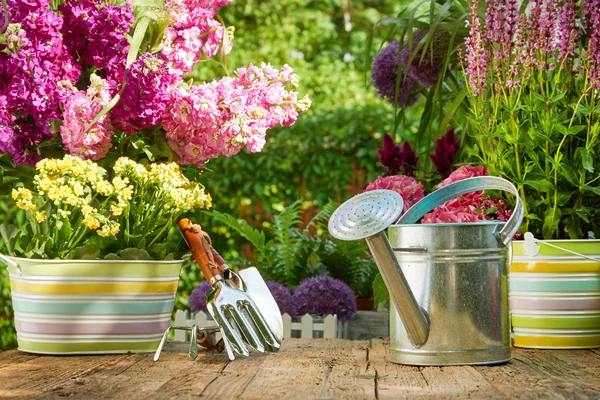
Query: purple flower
{"type": "Point", "coordinates": [395, 158]}
{"type": "Point", "coordinates": [282, 295]}
{"type": "Point", "coordinates": [384, 74]}
{"type": "Point", "coordinates": [476, 55]}
{"type": "Point", "coordinates": [145, 96]}
{"type": "Point", "coordinates": [198, 297]}
{"type": "Point", "coordinates": [324, 295]}
{"type": "Point", "coordinates": [426, 63]}
{"type": "Point", "coordinates": [445, 151]}
{"type": "Point", "coordinates": [567, 29]}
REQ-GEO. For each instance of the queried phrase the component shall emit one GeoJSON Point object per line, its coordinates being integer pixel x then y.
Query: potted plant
{"type": "Point", "coordinates": [533, 76]}
{"type": "Point", "coordinates": [96, 119]}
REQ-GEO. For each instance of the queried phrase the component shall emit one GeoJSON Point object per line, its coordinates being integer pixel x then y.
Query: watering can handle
{"type": "Point", "coordinates": [453, 190]}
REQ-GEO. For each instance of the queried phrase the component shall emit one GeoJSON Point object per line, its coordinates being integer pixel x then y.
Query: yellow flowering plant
{"type": "Point", "coordinates": [77, 209]}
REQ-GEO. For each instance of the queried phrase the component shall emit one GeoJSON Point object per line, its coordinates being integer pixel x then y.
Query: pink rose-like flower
{"type": "Point", "coordinates": [469, 207]}
{"type": "Point", "coordinates": [410, 190]}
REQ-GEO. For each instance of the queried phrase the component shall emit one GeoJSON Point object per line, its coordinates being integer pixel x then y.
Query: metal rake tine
{"type": "Point", "coordinates": [232, 335]}
{"type": "Point", "coordinates": [162, 343]}
{"type": "Point", "coordinates": [247, 328]}
{"type": "Point", "coordinates": [193, 353]}
{"type": "Point", "coordinates": [262, 325]}
{"type": "Point", "coordinates": [228, 348]}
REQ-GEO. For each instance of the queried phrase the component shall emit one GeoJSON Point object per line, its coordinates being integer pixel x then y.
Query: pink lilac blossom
{"type": "Point", "coordinates": [145, 96]}
{"type": "Point", "coordinates": [221, 117]}
{"type": "Point", "coordinates": [407, 187]}
{"type": "Point", "coordinates": [476, 55]}
{"type": "Point", "coordinates": [80, 109]}
{"type": "Point", "coordinates": [34, 59]}
{"type": "Point", "coordinates": [194, 32]}
{"type": "Point", "coordinates": [591, 16]}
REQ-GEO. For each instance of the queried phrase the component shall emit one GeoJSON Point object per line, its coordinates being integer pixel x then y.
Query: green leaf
{"type": "Point", "coordinates": [587, 159]}
{"type": "Point", "coordinates": [551, 221]}
{"type": "Point", "coordinates": [575, 129]}
{"type": "Point", "coordinates": [90, 252]}
{"type": "Point", "coordinates": [112, 256]}
{"type": "Point", "coordinates": [134, 254]}
{"type": "Point", "coordinates": [380, 291]}
{"type": "Point", "coordinates": [149, 3]}
{"type": "Point", "coordinates": [593, 189]}
{"type": "Point", "coordinates": [9, 233]}
{"type": "Point", "coordinates": [541, 185]}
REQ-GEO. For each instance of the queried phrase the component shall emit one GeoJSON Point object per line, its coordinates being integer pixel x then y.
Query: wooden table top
{"type": "Point", "coordinates": [303, 369]}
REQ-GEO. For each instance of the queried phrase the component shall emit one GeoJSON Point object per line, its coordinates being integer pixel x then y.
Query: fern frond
{"type": "Point", "coordinates": [243, 228]}
{"type": "Point", "coordinates": [285, 229]}
{"type": "Point", "coordinates": [323, 216]}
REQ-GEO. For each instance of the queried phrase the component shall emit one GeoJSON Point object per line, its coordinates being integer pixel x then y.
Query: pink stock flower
{"type": "Point", "coordinates": [80, 109]}
{"type": "Point", "coordinates": [410, 190]}
{"type": "Point", "coordinates": [221, 117]}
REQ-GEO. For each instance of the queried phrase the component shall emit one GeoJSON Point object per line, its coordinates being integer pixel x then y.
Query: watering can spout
{"type": "Point", "coordinates": [414, 318]}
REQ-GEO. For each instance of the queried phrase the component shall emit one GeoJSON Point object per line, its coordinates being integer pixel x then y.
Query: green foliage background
{"type": "Point", "coordinates": [329, 153]}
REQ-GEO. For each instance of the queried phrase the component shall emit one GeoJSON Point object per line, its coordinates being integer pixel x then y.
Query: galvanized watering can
{"type": "Point", "coordinates": [448, 282]}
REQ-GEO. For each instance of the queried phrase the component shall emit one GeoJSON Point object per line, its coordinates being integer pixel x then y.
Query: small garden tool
{"type": "Point", "coordinates": [241, 304]}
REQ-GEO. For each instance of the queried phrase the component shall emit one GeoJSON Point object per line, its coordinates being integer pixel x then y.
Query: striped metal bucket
{"type": "Point", "coordinates": [555, 294]}
{"type": "Point", "coordinates": [91, 306]}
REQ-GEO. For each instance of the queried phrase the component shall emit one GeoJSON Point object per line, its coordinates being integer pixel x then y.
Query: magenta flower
{"type": "Point", "coordinates": [445, 151]}
{"type": "Point", "coordinates": [476, 55]}
{"type": "Point", "coordinates": [145, 96]}
{"type": "Point", "coordinates": [410, 189]}
{"type": "Point", "coordinates": [384, 74]}
{"type": "Point", "coordinates": [395, 158]}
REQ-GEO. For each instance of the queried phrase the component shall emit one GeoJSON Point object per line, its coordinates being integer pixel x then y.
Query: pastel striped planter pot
{"type": "Point", "coordinates": [92, 307]}
{"type": "Point", "coordinates": [555, 295]}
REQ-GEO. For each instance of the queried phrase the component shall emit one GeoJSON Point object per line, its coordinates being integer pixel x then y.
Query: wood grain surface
{"type": "Point", "coordinates": [303, 369]}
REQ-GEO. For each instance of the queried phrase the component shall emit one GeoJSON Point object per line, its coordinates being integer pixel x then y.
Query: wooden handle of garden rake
{"type": "Point", "coordinates": [201, 249]}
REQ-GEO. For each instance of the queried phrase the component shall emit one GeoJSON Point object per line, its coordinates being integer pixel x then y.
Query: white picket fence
{"type": "Point", "coordinates": [305, 327]}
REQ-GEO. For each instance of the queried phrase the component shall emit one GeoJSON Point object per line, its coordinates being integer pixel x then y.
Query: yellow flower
{"type": "Point", "coordinates": [105, 188]}
{"type": "Point", "coordinates": [87, 210]}
{"type": "Point", "coordinates": [40, 216]}
{"type": "Point", "coordinates": [120, 183]}
{"type": "Point", "coordinates": [90, 222]}
{"type": "Point", "coordinates": [23, 199]}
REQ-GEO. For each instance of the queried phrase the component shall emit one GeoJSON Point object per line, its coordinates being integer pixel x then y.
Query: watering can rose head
{"type": "Point", "coordinates": [74, 201]}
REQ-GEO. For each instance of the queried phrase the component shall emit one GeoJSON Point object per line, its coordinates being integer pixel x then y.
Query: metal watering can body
{"type": "Point", "coordinates": [458, 274]}
{"type": "Point", "coordinates": [448, 283]}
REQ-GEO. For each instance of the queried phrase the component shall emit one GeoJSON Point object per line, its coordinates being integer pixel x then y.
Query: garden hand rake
{"type": "Point", "coordinates": [230, 302]}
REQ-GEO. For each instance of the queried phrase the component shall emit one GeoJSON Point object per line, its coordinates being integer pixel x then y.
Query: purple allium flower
{"type": "Point", "coordinates": [198, 297]}
{"type": "Point", "coordinates": [324, 295]}
{"type": "Point", "coordinates": [395, 158]}
{"type": "Point", "coordinates": [476, 55]}
{"type": "Point", "coordinates": [282, 295]}
{"type": "Point", "coordinates": [384, 74]}
{"type": "Point", "coordinates": [445, 151]}
{"type": "Point", "coordinates": [145, 96]}
{"type": "Point", "coordinates": [425, 64]}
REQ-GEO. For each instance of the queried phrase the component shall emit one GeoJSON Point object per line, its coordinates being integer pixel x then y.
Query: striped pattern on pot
{"type": "Point", "coordinates": [85, 307]}
{"type": "Point", "coordinates": [555, 295]}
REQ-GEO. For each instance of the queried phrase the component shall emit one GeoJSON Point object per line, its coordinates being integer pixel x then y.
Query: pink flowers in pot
{"type": "Point", "coordinates": [75, 66]}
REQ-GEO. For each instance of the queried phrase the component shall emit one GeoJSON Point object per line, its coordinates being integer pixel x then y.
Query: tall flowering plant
{"type": "Point", "coordinates": [85, 82]}
{"type": "Point", "coordinates": [534, 83]}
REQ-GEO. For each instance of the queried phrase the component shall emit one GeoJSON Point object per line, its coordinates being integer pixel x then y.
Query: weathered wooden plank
{"type": "Point", "coordinates": [9, 358]}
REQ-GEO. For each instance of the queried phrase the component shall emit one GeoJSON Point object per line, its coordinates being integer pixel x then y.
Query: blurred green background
{"type": "Point", "coordinates": [330, 153]}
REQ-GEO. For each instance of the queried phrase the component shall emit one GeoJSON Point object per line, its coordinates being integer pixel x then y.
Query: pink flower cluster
{"type": "Point", "coordinates": [221, 117]}
{"type": "Point", "coordinates": [32, 60]}
{"type": "Point", "coordinates": [80, 109]}
{"type": "Point", "coordinates": [194, 32]}
{"type": "Point", "coordinates": [407, 187]}
{"type": "Point", "coordinates": [466, 208]}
